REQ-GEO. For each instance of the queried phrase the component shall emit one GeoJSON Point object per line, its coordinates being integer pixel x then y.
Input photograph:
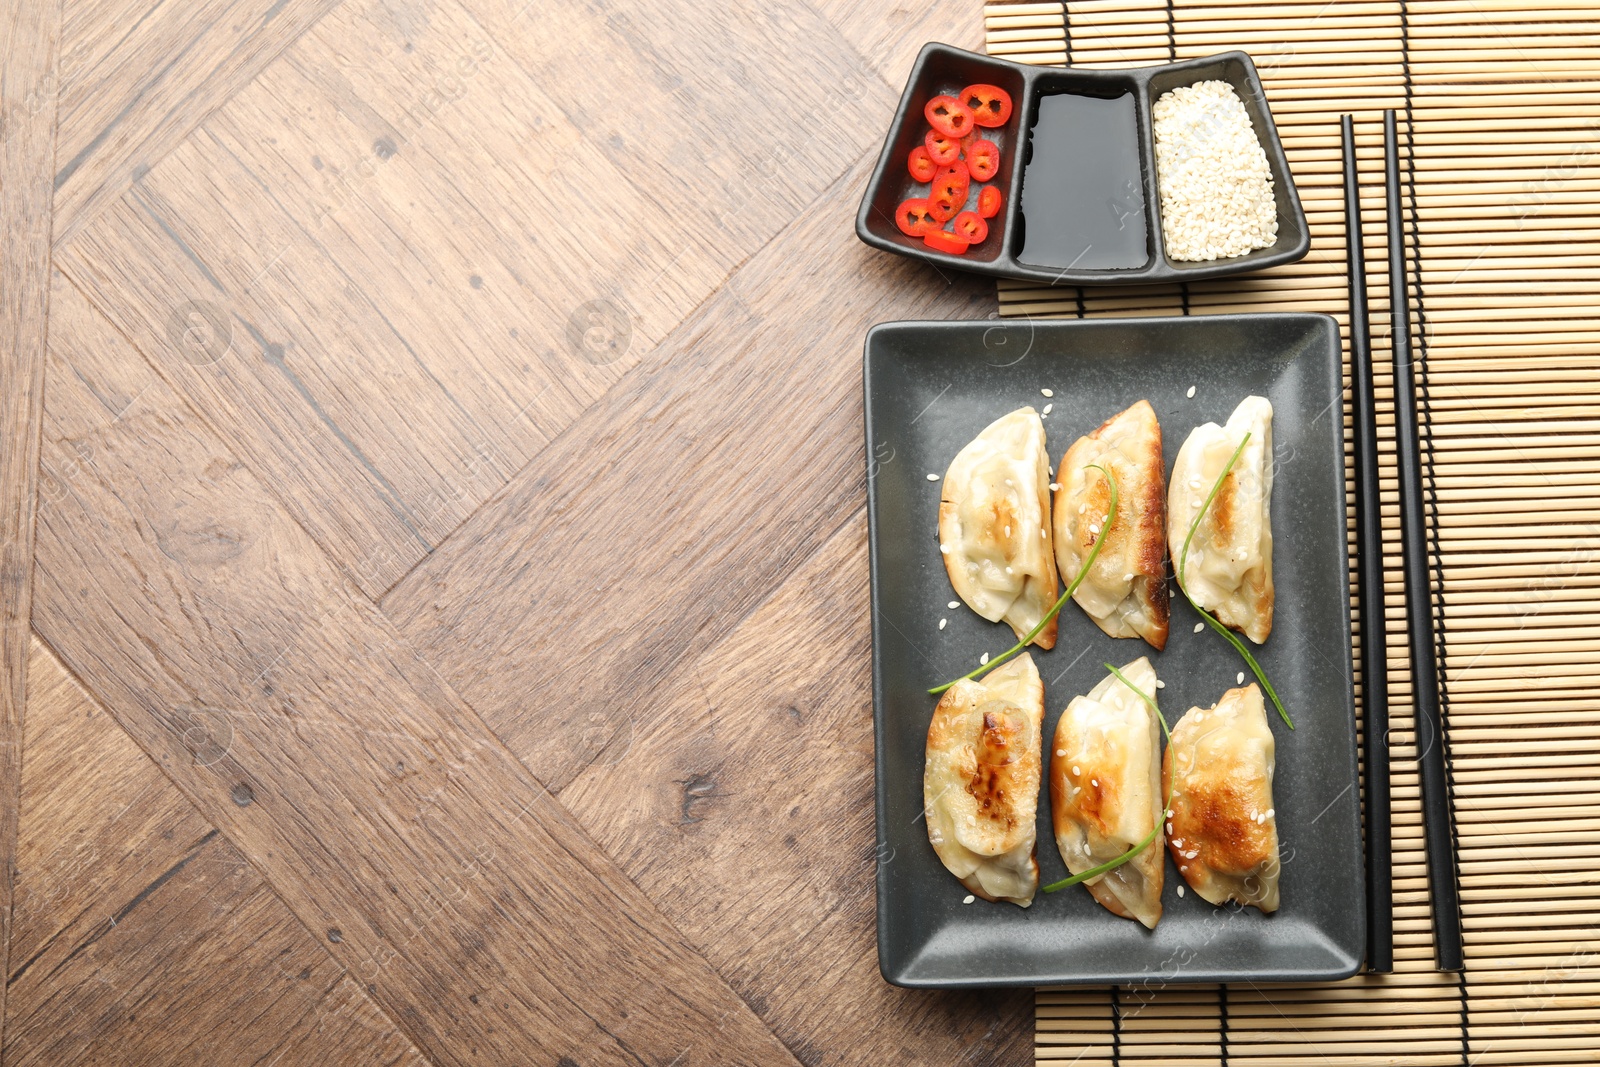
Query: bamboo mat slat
{"type": "Point", "coordinates": [1499, 103]}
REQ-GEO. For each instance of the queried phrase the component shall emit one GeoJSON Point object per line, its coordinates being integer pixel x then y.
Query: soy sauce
{"type": "Point", "coordinates": [1082, 195]}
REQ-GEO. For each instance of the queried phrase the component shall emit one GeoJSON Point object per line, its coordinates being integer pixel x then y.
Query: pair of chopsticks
{"type": "Point", "coordinates": [1438, 820]}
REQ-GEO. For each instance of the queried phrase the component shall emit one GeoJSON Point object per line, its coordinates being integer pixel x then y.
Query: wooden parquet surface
{"type": "Point", "coordinates": [430, 534]}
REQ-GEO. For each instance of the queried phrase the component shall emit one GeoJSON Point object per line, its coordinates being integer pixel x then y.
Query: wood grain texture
{"type": "Point", "coordinates": [139, 75]}
{"type": "Point", "coordinates": [455, 891]}
{"type": "Point", "coordinates": [416, 253]}
{"type": "Point", "coordinates": [707, 474]}
{"type": "Point", "coordinates": [891, 35]}
{"type": "Point", "coordinates": [747, 811]}
{"type": "Point", "coordinates": [143, 936]}
{"type": "Point", "coordinates": [29, 46]}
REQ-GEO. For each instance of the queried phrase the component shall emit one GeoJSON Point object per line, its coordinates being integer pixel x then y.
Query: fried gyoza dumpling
{"type": "Point", "coordinates": [980, 785]}
{"type": "Point", "coordinates": [994, 527]}
{"type": "Point", "coordinates": [1229, 569]}
{"type": "Point", "coordinates": [1105, 792]}
{"type": "Point", "coordinates": [1125, 593]}
{"type": "Point", "coordinates": [1224, 831]}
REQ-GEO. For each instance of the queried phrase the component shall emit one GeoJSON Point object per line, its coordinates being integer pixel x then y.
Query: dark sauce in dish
{"type": "Point", "coordinates": [1082, 194]}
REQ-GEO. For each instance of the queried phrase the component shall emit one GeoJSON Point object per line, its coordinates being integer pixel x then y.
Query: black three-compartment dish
{"type": "Point", "coordinates": [943, 70]}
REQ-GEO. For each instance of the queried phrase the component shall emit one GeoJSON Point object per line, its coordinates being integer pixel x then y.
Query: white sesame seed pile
{"type": "Point", "coordinates": [1216, 186]}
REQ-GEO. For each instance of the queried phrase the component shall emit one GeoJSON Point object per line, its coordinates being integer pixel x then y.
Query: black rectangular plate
{"type": "Point", "coordinates": [930, 388]}
{"type": "Point", "coordinates": [943, 69]}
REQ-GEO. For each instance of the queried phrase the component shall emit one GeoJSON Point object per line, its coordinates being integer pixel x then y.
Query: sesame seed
{"type": "Point", "coordinates": [953, 604]}
{"type": "Point", "coordinates": [942, 623]}
{"type": "Point", "coordinates": [1199, 716]}
{"type": "Point", "coordinates": [1199, 626]}
{"type": "Point", "coordinates": [1082, 508]}
{"type": "Point", "coordinates": [969, 899]}
{"type": "Point", "coordinates": [1095, 782]}
{"type": "Point", "coordinates": [1169, 825]}
{"type": "Point", "coordinates": [1008, 531]}
{"type": "Point", "coordinates": [1075, 771]}
{"type": "Point", "coordinates": [1194, 483]}
{"type": "Point", "coordinates": [1184, 868]}
{"type": "Point", "coordinates": [1271, 812]}
{"type": "Point", "coordinates": [945, 549]}
{"type": "Point", "coordinates": [1128, 577]}
{"type": "Point", "coordinates": [1180, 888]}
{"type": "Point", "coordinates": [1177, 842]}
{"type": "Point", "coordinates": [1239, 678]}
{"type": "Point", "coordinates": [1190, 393]}
{"type": "Point", "coordinates": [1044, 534]}
{"type": "Point", "coordinates": [1169, 815]}
{"type": "Point", "coordinates": [1061, 752]}
{"type": "Point", "coordinates": [983, 659]}
{"type": "Point", "coordinates": [1008, 482]}
{"type": "Point", "coordinates": [1094, 529]}
{"type": "Point", "coordinates": [1160, 684]}
{"type": "Point", "coordinates": [1196, 502]}
{"type": "Point", "coordinates": [933, 477]}
{"type": "Point", "coordinates": [1008, 569]}
{"type": "Point", "coordinates": [1213, 176]}
{"type": "Point", "coordinates": [1047, 408]}
{"type": "Point", "coordinates": [1055, 487]}
{"type": "Point", "coordinates": [1048, 392]}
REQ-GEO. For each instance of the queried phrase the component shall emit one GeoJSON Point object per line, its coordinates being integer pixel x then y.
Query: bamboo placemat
{"type": "Point", "coordinates": [1499, 102]}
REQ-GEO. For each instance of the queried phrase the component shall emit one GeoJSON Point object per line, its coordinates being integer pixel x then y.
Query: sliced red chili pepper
{"type": "Point", "coordinates": [949, 116]}
{"type": "Point", "coordinates": [969, 225]}
{"type": "Point", "coordinates": [943, 206]}
{"type": "Point", "coordinates": [953, 181]}
{"type": "Point", "coordinates": [921, 165]}
{"type": "Point", "coordinates": [914, 218]}
{"type": "Point", "coordinates": [942, 149]}
{"type": "Point", "coordinates": [983, 160]}
{"type": "Point", "coordinates": [990, 105]}
{"type": "Point", "coordinates": [941, 241]}
{"type": "Point", "coordinates": [988, 201]}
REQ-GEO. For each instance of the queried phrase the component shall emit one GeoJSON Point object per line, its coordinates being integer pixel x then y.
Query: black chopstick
{"type": "Point", "coordinates": [1444, 895]}
{"type": "Point", "coordinates": [1369, 581]}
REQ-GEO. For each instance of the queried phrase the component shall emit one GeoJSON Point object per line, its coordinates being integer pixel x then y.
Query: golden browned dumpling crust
{"type": "Point", "coordinates": [1105, 792]}
{"type": "Point", "coordinates": [1229, 569]}
{"type": "Point", "coordinates": [1125, 592]}
{"type": "Point", "coordinates": [1223, 833]}
{"type": "Point", "coordinates": [980, 785]}
{"type": "Point", "coordinates": [994, 525]}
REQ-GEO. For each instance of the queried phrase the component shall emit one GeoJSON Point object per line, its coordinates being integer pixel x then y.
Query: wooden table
{"type": "Point", "coordinates": [448, 634]}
